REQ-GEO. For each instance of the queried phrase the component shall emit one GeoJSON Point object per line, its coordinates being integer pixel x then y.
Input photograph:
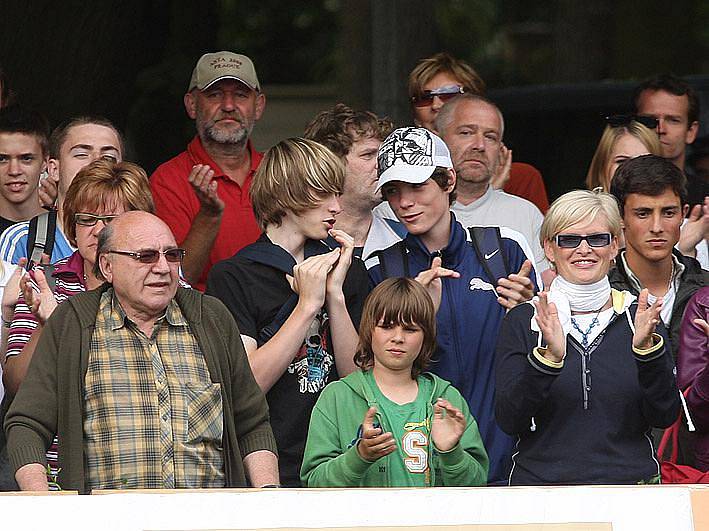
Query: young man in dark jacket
{"type": "Point", "coordinates": [416, 176]}
{"type": "Point", "coordinates": [651, 193]}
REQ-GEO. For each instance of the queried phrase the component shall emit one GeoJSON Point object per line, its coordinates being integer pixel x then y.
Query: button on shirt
{"type": "Point", "coordinates": [153, 417]}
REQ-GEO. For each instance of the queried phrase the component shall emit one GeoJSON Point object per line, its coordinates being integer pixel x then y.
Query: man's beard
{"type": "Point", "coordinates": [227, 136]}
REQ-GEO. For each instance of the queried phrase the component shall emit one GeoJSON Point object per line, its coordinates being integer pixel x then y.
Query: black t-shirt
{"type": "Point", "coordinates": [254, 293]}
{"type": "Point", "coordinates": [6, 223]}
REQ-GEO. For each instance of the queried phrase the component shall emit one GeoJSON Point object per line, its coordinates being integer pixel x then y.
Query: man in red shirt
{"type": "Point", "coordinates": [203, 193]}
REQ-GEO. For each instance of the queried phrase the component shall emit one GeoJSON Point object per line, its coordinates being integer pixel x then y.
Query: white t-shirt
{"type": "Point", "coordinates": [7, 270]}
{"type": "Point", "coordinates": [496, 207]}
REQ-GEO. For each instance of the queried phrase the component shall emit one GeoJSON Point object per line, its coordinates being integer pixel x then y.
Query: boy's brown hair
{"type": "Point", "coordinates": [397, 301]}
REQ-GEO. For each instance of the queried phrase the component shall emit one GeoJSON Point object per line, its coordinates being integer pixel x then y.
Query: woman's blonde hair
{"type": "Point", "coordinates": [578, 206]}
{"type": "Point", "coordinates": [397, 301]}
{"type": "Point", "coordinates": [294, 175]}
{"type": "Point", "coordinates": [105, 184]}
{"type": "Point", "coordinates": [596, 175]}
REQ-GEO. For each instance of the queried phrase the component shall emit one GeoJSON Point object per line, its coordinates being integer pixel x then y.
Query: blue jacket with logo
{"type": "Point", "coordinates": [468, 322]}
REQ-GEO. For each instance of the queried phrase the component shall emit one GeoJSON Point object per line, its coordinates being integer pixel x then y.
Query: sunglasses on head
{"type": "Point", "coordinates": [150, 256]}
{"type": "Point", "coordinates": [89, 220]}
{"type": "Point", "coordinates": [623, 120]}
{"type": "Point", "coordinates": [444, 93]}
{"type": "Point", "coordinates": [571, 241]}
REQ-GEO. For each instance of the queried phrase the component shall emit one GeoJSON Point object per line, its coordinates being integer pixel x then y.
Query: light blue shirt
{"type": "Point", "coordinates": [13, 243]}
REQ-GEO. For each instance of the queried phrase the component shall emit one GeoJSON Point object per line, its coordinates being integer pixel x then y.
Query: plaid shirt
{"type": "Point", "coordinates": [153, 417]}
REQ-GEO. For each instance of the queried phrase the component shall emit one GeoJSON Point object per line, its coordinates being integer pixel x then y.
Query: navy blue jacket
{"type": "Point", "coordinates": [468, 322]}
{"type": "Point", "coordinates": [589, 421]}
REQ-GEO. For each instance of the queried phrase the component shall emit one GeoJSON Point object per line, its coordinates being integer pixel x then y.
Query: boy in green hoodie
{"type": "Point", "coordinates": [391, 424]}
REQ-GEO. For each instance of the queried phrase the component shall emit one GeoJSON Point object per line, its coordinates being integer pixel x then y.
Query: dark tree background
{"type": "Point", "coordinates": [555, 67]}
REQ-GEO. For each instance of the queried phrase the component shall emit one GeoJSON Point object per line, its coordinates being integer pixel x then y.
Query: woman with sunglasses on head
{"type": "Point", "coordinates": [100, 192]}
{"type": "Point", "coordinates": [438, 79]}
{"type": "Point", "coordinates": [625, 136]}
{"type": "Point", "coordinates": [583, 372]}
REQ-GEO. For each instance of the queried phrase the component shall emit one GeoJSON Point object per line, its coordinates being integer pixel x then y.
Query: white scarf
{"type": "Point", "coordinates": [568, 297]}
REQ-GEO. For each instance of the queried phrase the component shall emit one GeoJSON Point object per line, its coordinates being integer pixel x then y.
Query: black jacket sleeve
{"type": "Point", "coordinates": [522, 381]}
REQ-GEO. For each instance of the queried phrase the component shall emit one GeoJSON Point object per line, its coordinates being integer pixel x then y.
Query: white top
{"type": "Point", "coordinates": [496, 207]}
{"type": "Point", "coordinates": [7, 270]}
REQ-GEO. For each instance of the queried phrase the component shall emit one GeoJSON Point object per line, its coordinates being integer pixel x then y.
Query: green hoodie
{"type": "Point", "coordinates": [331, 458]}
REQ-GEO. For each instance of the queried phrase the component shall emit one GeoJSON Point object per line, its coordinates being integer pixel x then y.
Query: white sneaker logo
{"type": "Point", "coordinates": [493, 253]}
{"type": "Point", "coordinates": [478, 283]}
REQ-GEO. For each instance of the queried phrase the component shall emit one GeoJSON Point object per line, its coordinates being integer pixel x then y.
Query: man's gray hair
{"type": "Point", "coordinates": [445, 115]}
{"type": "Point", "coordinates": [105, 240]}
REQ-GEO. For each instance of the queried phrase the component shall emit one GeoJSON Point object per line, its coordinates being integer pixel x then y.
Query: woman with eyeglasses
{"type": "Point", "coordinates": [625, 136]}
{"type": "Point", "coordinates": [99, 193]}
{"type": "Point", "coordinates": [583, 372]}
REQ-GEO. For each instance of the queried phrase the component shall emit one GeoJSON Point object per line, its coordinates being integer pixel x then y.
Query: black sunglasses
{"type": "Point", "coordinates": [444, 93]}
{"type": "Point", "coordinates": [150, 256]}
{"type": "Point", "coordinates": [571, 241]}
{"type": "Point", "coordinates": [623, 120]}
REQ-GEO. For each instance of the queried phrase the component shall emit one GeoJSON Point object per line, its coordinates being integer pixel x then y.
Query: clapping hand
{"type": "Point", "coordinates": [374, 444]}
{"type": "Point", "coordinates": [41, 304]}
{"type": "Point", "coordinates": [336, 276]}
{"type": "Point", "coordinates": [448, 425]}
{"type": "Point", "coordinates": [646, 319]}
{"type": "Point", "coordinates": [516, 288]}
{"type": "Point", "coordinates": [550, 327]}
{"type": "Point", "coordinates": [205, 187]}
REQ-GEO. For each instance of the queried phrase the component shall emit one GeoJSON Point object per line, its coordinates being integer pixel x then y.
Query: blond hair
{"type": "Point", "coordinates": [104, 184]}
{"type": "Point", "coordinates": [294, 175]}
{"type": "Point", "coordinates": [427, 68]}
{"type": "Point", "coordinates": [596, 175]}
{"type": "Point", "coordinates": [578, 206]}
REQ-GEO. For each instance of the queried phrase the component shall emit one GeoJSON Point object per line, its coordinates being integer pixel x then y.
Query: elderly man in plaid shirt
{"type": "Point", "coordinates": [146, 384]}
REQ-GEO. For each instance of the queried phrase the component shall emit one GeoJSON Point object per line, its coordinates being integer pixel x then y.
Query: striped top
{"type": "Point", "coordinates": [69, 275]}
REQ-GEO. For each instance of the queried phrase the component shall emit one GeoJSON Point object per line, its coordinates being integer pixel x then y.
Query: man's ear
{"type": "Point", "coordinates": [260, 105]}
{"type": "Point", "coordinates": [106, 267]}
{"type": "Point", "coordinates": [190, 105]}
{"type": "Point", "coordinates": [685, 210]}
{"type": "Point", "coordinates": [451, 180]}
{"type": "Point", "coordinates": [53, 169]}
{"type": "Point", "coordinates": [692, 131]}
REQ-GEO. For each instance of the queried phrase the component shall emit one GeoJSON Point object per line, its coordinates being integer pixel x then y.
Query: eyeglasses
{"type": "Point", "coordinates": [150, 256]}
{"type": "Point", "coordinates": [571, 241]}
{"type": "Point", "coordinates": [89, 220]}
{"type": "Point", "coordinates": [622, 120]}
{"type": "Point", "coordinates": [444, 93]}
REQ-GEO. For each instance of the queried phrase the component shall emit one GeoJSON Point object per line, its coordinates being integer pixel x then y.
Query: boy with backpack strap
{"type": "Point", "coordinates": [467, 273]}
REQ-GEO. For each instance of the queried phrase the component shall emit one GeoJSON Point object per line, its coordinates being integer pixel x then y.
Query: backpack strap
{"type": "Point", "coordinates": [487, 243]}
{"type": "Point", "coordinates": [394, 261]}
{"type": "Point", "coordinates": [40, 240]}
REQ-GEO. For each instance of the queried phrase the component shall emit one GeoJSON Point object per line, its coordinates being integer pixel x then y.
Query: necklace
{"type": "Point", "coordinates": [584, 335]}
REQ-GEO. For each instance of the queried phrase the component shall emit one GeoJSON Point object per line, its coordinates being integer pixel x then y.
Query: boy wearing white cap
{"type": "Point", "coordinates": [417, 178]}
{"type": "Point", "coordinates": [203, 193]}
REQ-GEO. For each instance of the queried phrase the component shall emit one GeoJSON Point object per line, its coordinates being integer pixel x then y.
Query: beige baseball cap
{"type": "Point", "coordinates": [213, 67]}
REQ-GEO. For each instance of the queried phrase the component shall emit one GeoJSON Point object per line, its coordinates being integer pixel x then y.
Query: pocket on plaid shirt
{"type": "Point", "coordinates": [205, 421]}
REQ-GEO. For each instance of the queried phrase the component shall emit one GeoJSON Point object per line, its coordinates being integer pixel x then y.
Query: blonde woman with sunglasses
{"type": "Point", "coordinates": [583, 372]}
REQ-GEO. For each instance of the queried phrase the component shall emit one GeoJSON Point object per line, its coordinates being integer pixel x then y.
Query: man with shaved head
{"type": "Point", "coordinates": [152, 380]}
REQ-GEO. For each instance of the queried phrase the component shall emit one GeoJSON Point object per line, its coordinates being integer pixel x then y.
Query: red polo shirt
{"type": "Point", "coordinates": [176, 203]}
